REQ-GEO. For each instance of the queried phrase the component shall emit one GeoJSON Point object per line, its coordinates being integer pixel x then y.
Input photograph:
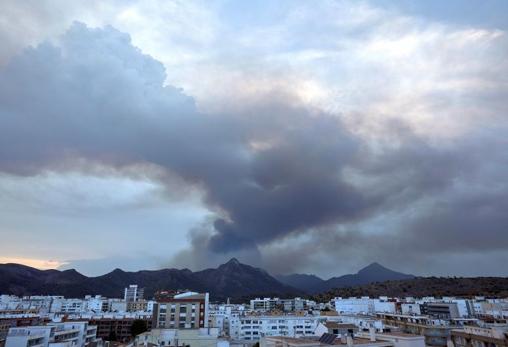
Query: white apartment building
{"type": "Point", "coordinates": [225, 317]}
{"type": "Point", "coordinates": [465, 307]}
{"type": "Point", "coordinates": [117, 305]}
{"type": "Point", "coordinates": [96, 303]}
{"type": "Point", "coordinates": [72, 334]}
{"type": "Point", "coordinates": [364, 305]}
{"type": "Point", "coordinates": [36, 302]}
{"type": "Point", "coordinates": [410, 309]}
{"type": "Point", "coordinates": [132, 293]}
{"type": "Point", "coordinates": [255, 327]}
{"type": "Point", "coordinates": [34, 336]}
{"type": "Point", "coordinates": [264, 304]}
{"type": "Point", "coordinates": [287, 305]}
{"type": "Point", "coordinates": [86, 333]}
{"type": "Point", "coordinates": [62, 305]}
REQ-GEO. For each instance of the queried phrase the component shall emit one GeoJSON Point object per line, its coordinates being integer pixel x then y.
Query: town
{"type": "Point", "coordinates": [190, 319]}
{"type": "Point", "coordinates": [221, 173]}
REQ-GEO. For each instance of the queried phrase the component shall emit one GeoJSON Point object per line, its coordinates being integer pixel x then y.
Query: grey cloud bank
{"type": "Point", "coordinates": [291, 187]}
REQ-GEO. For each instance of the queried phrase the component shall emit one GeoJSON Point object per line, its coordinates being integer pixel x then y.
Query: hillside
{"type": "Point", "coordinates": [304, 282]}
{"type": "Point", "coordinates": [369, 274]}
{"type": "Point", "coordinates": [425, 286]}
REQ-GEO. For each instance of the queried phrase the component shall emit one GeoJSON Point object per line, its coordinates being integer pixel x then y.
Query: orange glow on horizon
{"type": "Point", "coordinates": [42, 264]}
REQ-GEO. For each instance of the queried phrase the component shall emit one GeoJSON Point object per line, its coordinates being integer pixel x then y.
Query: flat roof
{"type": "Point", "coordinates": [336, 342]}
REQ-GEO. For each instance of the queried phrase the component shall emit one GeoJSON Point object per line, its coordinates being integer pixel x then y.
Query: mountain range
{"type": "Point", "coordinates": [232, 279]}
{"type": "Point", "coordinates": [370, 274]}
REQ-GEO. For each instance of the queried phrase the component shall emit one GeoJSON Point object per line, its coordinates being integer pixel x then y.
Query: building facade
{"type": "Point", "coordinates": [132, 293]}
{"type": "Point", "coordinates": [187, 310]}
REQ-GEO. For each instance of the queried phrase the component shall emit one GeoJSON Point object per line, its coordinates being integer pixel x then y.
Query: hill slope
{"type": "Point", "coordinates": [304, 282]}
{"type": "Point", "coordinates": [426, 286]}
{"type": "Point", "coordinates": [369, 274]}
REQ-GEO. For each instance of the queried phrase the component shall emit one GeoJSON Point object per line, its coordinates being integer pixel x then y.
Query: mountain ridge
{"type": "Point", "coordinates": [231, 279]}
{"type": "Point", "coordinates": [373, 272]}
{"type": "Point", "coordinates": [240, 282]}
{"type": "Point", "coordinates": [424, 286]}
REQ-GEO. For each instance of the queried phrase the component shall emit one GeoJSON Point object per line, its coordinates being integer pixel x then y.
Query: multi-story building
{"type": "Point", "coordinates": [71, 334]}
{"type": "Point", "coordinates": [365, 305]}
{"type": "Point", "coordinates": [265, 304]}
{"type": "Point", "coordinates": [287, 305]}
{"type": "Point", "coordinates": [436, 332]}
{"type": "Point", "coordinates": [137, 306]}
{"type": "Point", "coordinates": [132, 293]}
{"type": "Point", "coordinates": [465, 307]}
{"type": "Point", "coordinates": [187, 310]}
{"type": "Point", "coordinates": [440, 310]}
{"type": "Point", "coordinates": [203, 337]}
{"type": "Point", "coordinates": [96, 304]}
{"type": "Point", "coordinates": [361, 340]}
{"type": "Point", "coordinates": [255, 327]}
{"type": "Point", "coordinates": [73, 306]}
{"type": "Point", "coordinates": [117, 305]}
{"type": "Point", "coordinates": [225, 317]}
{"type": "Point", "coordinates": [410, 308]}
{"type": "Point", "coordinates": [474, 336]}
{"type": "Point", "coordinates": [36, 336]}
{"type": "Point", "coordinates": [295, 304]}
{"type": "Point", "coordinates": [17, 320]}
{"type": "Point", "coordinates": [117, 328]}
{"type": "Point", "coordinates": [494, 308]}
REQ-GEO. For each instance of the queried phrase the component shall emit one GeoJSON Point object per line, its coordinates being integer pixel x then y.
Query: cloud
{"type": "Point", "coordinates": [370, 128]}
{"type": "Point", "coordinates": [94, 97]}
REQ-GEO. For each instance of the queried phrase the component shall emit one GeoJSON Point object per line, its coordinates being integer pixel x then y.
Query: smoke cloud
{"type": "Point", "coordinates": [283, 179]}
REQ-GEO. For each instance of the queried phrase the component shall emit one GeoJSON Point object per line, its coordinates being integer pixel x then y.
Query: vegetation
{"type": "Point", "coordinates": [138, 327]}
{"type": "Point", "coordinates": [112, 336]}
{"type": "Point", "coordinates": [425, 286]}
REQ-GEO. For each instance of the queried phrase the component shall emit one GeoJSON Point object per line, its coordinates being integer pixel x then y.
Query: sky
{"type": "Point", "coordinates": [297, 136]}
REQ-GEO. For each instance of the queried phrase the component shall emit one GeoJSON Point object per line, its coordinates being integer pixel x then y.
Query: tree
{"type": "Point", "coordinates": [112, 335]}
{"type": "Point", "coordinates": [138, 327]}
